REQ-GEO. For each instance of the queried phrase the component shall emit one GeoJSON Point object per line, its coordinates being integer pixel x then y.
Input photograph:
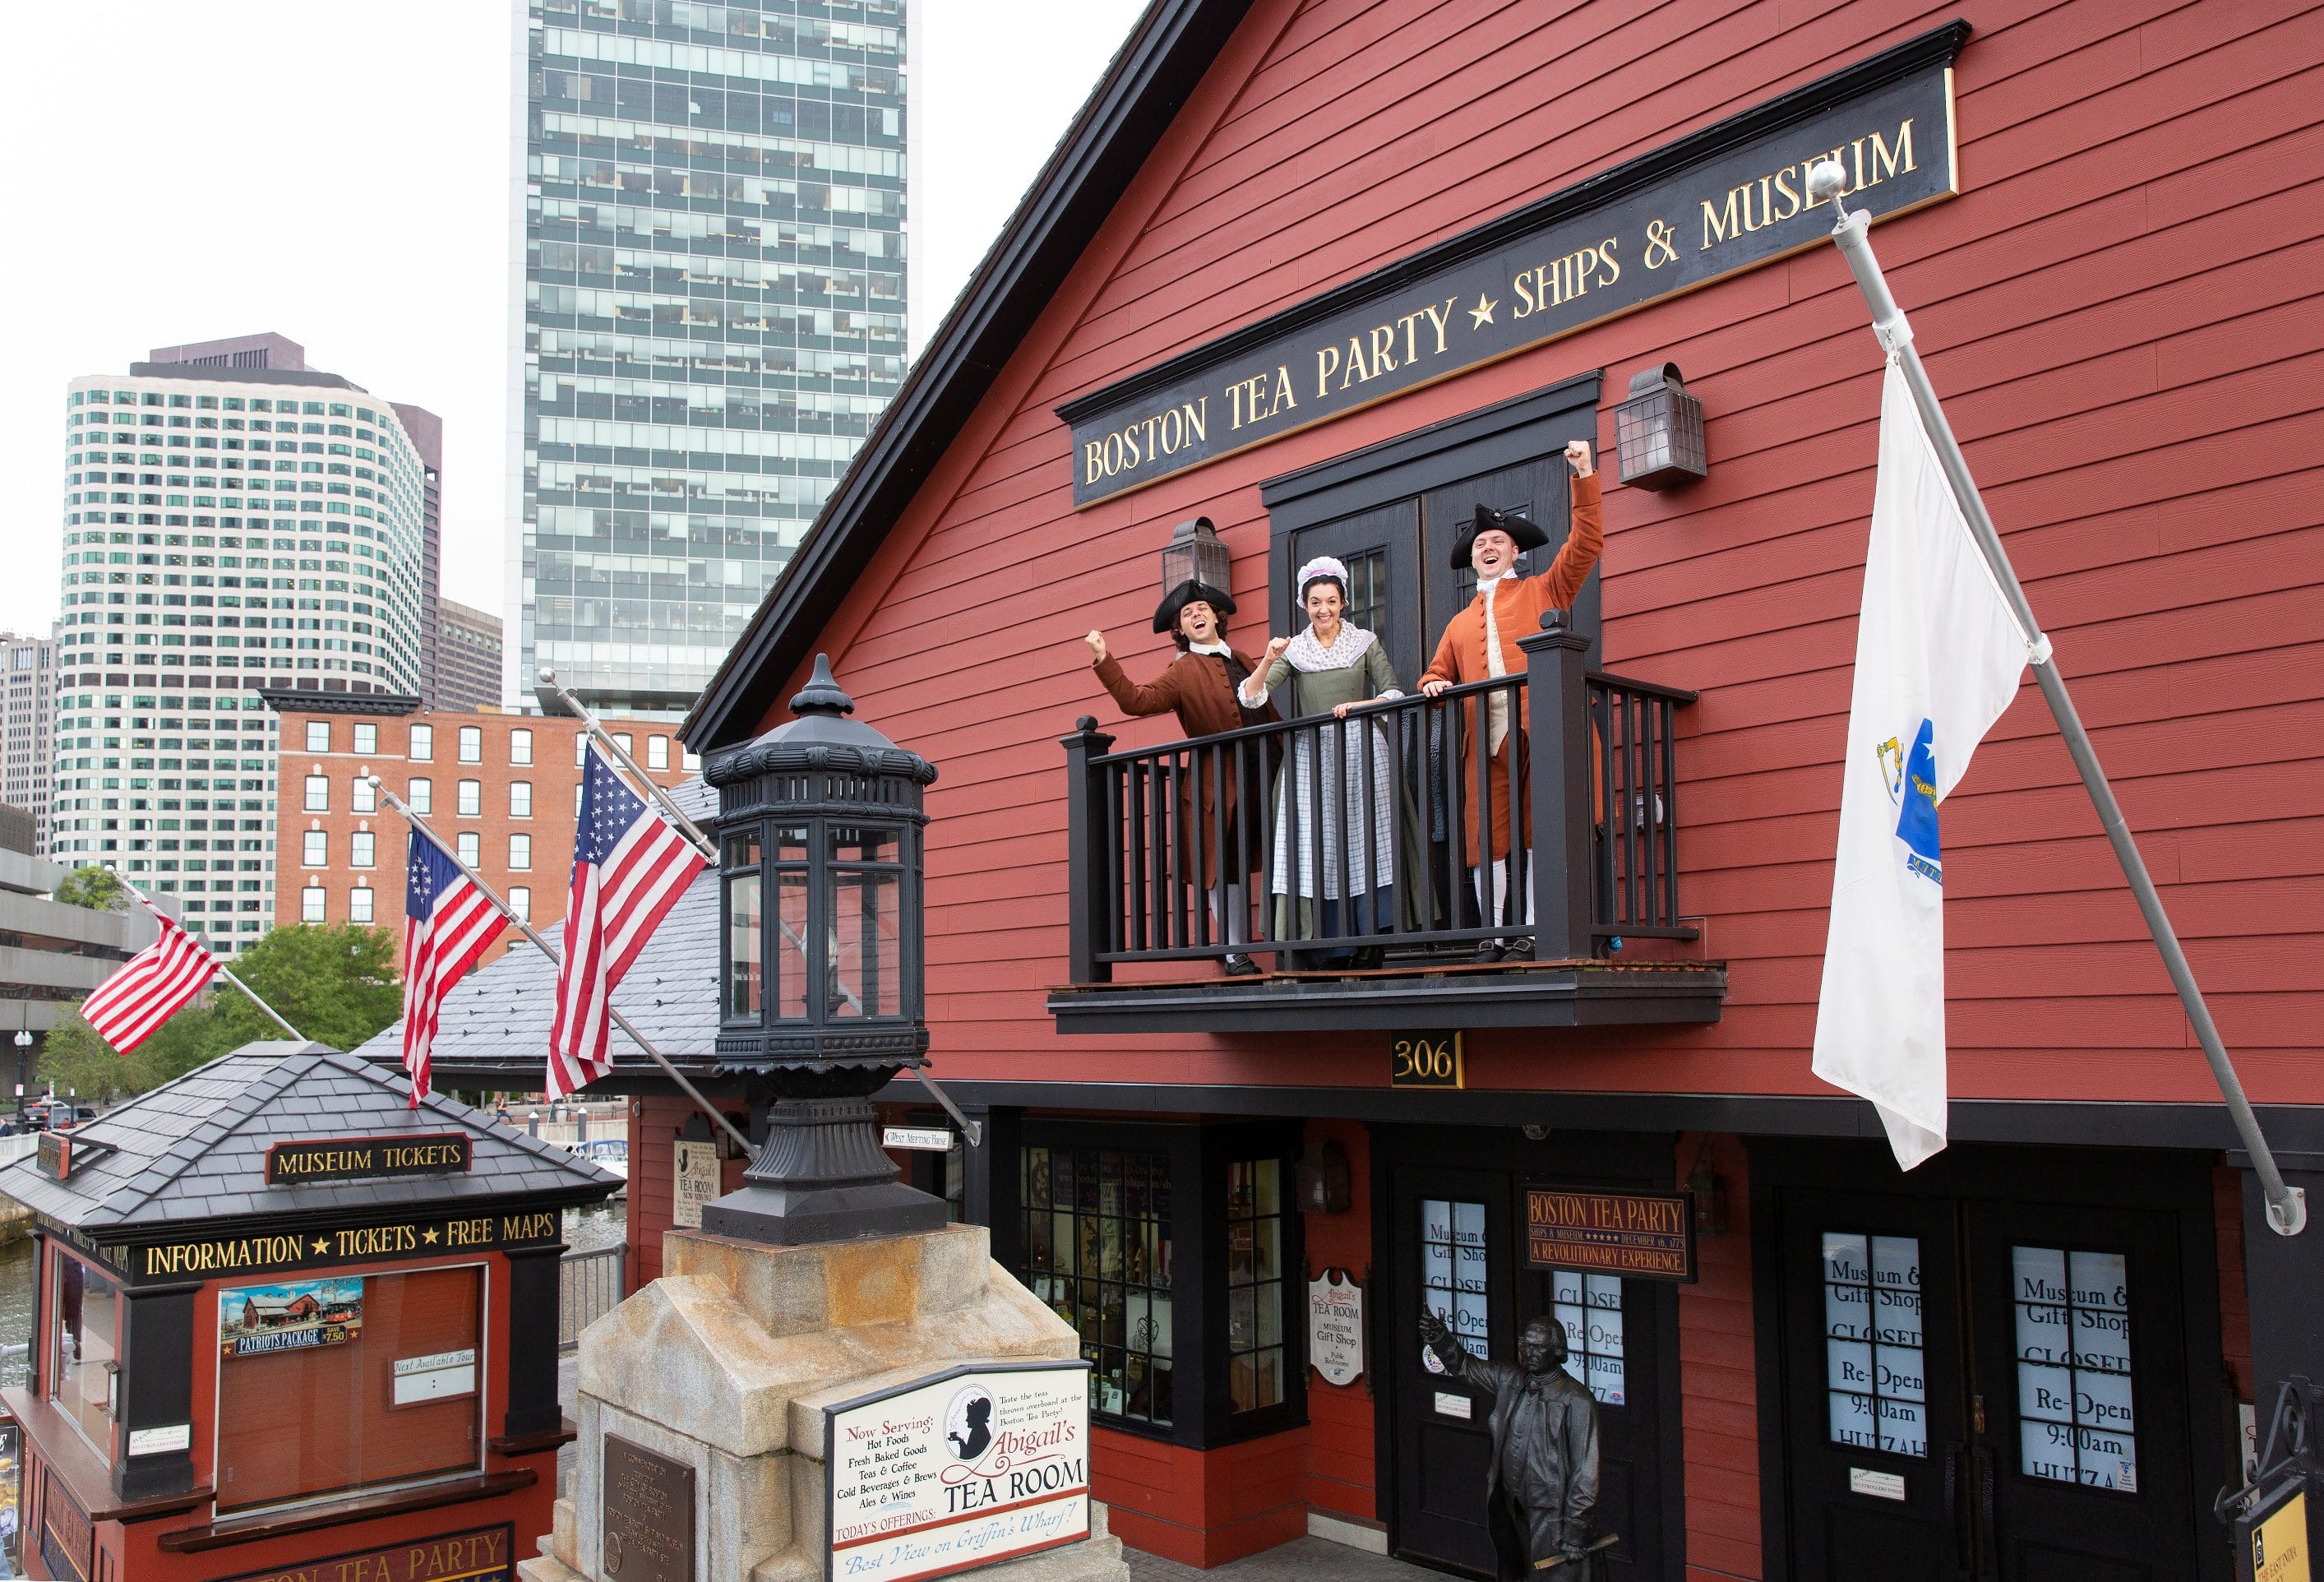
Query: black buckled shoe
{"type": "Point", "coordinates": [1242, 966]}
{"type": "Point", "coordinates": [1488, 952]}
{"type": "Point", "coordinates": [1517, 950]}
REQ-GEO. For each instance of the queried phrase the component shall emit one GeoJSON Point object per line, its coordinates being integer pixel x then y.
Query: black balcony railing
{"type": "Point", "coordinates": [1285, 839]}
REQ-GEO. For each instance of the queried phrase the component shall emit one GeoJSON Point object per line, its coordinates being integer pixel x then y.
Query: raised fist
{"type": "Point", "coordinates": [1275, 648]}
{"type": "Point", "coordinates": [1577, 457]}
{"type": "Point", "coordinates": [1096, 639]}
{"type": "Point", "coordinates": [1434, 1331]}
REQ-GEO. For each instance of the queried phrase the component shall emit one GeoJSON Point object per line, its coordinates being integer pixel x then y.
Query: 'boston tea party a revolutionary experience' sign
{"type": "Point", "coordinates": [1730, 196]}
{"type": "Point", "coordinates": [964, 1469]}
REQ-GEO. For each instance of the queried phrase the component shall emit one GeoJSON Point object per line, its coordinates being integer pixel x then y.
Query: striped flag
{"type": "Point", "coordinates": [630, 867]}
{"type": "Point", "coordinates": [127, 1008]}
{"type": "Point", "coordinates": [448, 923]}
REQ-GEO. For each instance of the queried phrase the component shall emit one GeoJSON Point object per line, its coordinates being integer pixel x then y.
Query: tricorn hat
{"type": "Point", "coordinates": [1166, 613]}
{"type": "Point", "coordinates": [1521, 529]}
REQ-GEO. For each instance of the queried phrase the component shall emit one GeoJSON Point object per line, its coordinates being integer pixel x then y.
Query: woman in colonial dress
{"type": "Point", "coordinates": [1346, 835]}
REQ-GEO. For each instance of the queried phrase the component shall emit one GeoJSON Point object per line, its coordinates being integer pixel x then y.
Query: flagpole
{"type": "Point", "coordinates": [226, 972]}
{"type": "Point", "coordinates": [969, 1129]}
{"type": "Point", "coordinates": [2287, 1206]}
{"type": "Point", "coordinates": [524, 925]}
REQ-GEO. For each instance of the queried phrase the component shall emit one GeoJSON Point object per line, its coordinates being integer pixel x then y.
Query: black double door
{"type": "Point", "coordinates": [1988, 1389]}
{"type": "Point", "coordinates": [1455, 1249]}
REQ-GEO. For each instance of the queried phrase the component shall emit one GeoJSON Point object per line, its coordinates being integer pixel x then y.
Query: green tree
{"type": "Point", "coordinates": [98, 889]}
{"type": "Point", "coordinates": [75, 1060]}
{"type": "Point", "coordinates": [337, 985]}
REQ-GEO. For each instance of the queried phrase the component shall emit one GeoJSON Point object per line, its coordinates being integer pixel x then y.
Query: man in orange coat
{"type": "Point", "coordinates": [1482, 641]}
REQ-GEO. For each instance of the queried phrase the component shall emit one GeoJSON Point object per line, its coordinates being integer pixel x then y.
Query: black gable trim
{"type": "Point", "coordinates": [1149, 80]}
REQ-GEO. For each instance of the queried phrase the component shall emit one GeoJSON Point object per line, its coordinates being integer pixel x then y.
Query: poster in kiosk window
{"type": "Point", "coordinates": [291, 1314]}
{"type": "Point", "coordinates": [967, 1467]}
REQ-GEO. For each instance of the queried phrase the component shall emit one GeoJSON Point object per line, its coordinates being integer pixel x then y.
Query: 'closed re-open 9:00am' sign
{"type": "Point", "coordinates": [965, 1468]}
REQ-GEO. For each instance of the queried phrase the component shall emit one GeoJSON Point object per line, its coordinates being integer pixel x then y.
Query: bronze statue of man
{"type": "Point", "coordinates": [1541, 1488]}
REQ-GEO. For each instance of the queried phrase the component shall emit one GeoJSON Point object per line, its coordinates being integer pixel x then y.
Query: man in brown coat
{"type": "Point", "coordinates": [1199, 687]}
{"type": "Point", "coordinates": [1481, 640]}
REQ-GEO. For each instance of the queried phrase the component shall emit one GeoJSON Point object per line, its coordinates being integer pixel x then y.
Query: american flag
{"type": "Point", "coordinates": [630, 867]}
{"type": "Point", "coordinates": [448, 923]}
{"type": "Point", "coordinates": [127, 1008]}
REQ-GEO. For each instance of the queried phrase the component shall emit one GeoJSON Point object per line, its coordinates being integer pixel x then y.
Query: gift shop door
{"type": "Point", "coordinates": [1987, 1391]}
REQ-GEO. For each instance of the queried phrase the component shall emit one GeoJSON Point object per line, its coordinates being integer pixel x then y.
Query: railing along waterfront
{"type": "Point", "coordinates": [1378, 833]}
{"type": "Point", "coordinates": [589, 1285]}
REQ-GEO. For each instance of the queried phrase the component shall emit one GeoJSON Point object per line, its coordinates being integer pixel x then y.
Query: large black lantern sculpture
{"type": "Point", "coordinates": [819, 829]}
{"type": "Point", "coordinates": [1658, 431]}
{"type": "Point", "coordinates": [1195, 554]}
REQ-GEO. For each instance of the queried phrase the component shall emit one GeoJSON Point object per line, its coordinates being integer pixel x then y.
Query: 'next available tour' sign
{"type": "Point", "coordinates": [973, 1467]}
{"type": "Point", "coordinates": [1727, 198]}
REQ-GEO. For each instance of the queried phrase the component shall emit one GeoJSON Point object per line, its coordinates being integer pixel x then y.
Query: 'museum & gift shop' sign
{"type": "Point", "coordinates": [1647, 1235]}
{"type": "Point", "coordinates": [1728, 198]}
{"type": "Point", "coordinates": [965, 1468]}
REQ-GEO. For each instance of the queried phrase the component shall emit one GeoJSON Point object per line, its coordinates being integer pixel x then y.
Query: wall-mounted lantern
{"type": "Point", "coordinates": [1658, 431]}
{"type": "Point", "coordinates": [1195, 554]}
{"type": "Point", "coordinates": [819, 826]}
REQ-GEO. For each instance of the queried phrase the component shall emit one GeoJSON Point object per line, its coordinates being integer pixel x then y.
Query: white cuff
{"type": "Point", "coordinates": [1242, 694]}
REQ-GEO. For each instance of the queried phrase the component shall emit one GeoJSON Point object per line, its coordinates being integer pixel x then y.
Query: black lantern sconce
{"type": "Point", "coordinates": [822, 967]}
{"type": "Point", "coordinates": [1195, 554]}
{"type": "Point", "coordinates": [1658, 431]}
{"type": "Point", "coordinates": [1323, 1180]}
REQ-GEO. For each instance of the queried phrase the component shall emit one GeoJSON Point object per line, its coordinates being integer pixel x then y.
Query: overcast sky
{"type": "Point", "coordinates": [340, 173]}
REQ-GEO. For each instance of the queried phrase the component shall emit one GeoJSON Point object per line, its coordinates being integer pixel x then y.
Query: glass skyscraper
{"type": "Point", "coordinates": [713, 294]}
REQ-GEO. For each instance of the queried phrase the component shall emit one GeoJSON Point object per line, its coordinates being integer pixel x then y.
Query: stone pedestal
{"type": "Point", "coordinates": [725, 1364]}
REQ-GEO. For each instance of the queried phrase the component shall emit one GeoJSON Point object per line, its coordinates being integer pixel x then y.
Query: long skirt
{"type": "Point", "coordinates": [1344, 832]}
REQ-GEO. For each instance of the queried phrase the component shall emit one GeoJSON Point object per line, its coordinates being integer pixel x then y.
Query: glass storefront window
{"type": "Point", "coordinates": [88, 1349]}
{"type": "Point", "coordinates": [1097, 1250]}
{"type": "Point", "coordinates": [2073, 1367]}
{"type": "Point", "coordinates": [1873, 1362]}
{"type": "Point", "coordinates": [1453, 1274]}
{"type": "Point", "coordinates": [1255, 1366]}
{"type": "Point", "coordinates": [331, 1383]}
{"type": "Point", "coordinates": [1590, 1306]}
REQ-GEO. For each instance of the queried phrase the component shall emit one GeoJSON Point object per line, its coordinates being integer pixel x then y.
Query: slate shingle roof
{"type": "Point", "coordinates": [195, 1149]}
{"type": "Point", "coordinates": [497, 1020]}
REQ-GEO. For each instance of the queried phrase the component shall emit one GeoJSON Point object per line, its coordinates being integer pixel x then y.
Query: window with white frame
{"type": "Point", "coordinates": [366, 739]}
{"type": "Point", "coordinates": [361, 847]}
{"type": "Point", "coordinates": [520, 899]}
{"type": "Point", "coordinates": [319, 793]}
{"type": "Point", "coordinates": [519, 746]}
{"type": "Point", "coordinates": [421, 794]}
{"type": "Point", "coordinates": [657, 752]}
{"type": "Point", "coordinates": [423, 743]}
{"type": "Point", "coordinates": [519, 852]}
{"type": "Point", "coordinates": [310, 904]}
{"type": "Point", "coordinates": [470, 845]}
{"type": "Point", "coordinates": [359, 903]}
{"type": "Point", "coordinates": [363, 797]}
{"type": "Point", "coordinates": [315, 849]}
{"type": "Point", "coordinates": [520, 798]}
{"type": "Point", "coordinates": [472, 798]}
{"type": "Point", "coordinates": [472, 744]}
{"type": "Point", "coordinates": [319, 735]}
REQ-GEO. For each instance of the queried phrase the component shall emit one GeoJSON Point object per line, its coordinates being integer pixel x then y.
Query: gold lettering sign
{"type": "Point", "coordinates": [482, 1554]}
{"type": "Point", "coordinates": [361, 1158]}
{"type": "Point", "coordinates": [1647, 1235]}
{"type": "Point", "coordinates": [1729, 198]}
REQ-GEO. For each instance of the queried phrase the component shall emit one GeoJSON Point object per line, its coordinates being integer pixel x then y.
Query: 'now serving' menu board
{"type": "Point", "coordinates": [962, 1469]}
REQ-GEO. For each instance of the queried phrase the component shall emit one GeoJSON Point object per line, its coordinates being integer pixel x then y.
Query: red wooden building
{"type": "Point", "coordinates": [1333, 273]}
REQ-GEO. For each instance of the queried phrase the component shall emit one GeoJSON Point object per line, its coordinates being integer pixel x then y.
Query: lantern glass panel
{"type": "Point", "coordinates": [745, 983]}
{"type": "Point", "coordinates": [866, 843]}
{"type": "Point", "coordinates": [741, 851]}
{"type": "Point", "coordinates": [788, 944]}
{"type": "Point", "coordinates": [868, 961]}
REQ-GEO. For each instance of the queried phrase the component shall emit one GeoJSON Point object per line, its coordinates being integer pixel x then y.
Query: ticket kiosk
{"type": "Point", "coordinates": [287, 1325]}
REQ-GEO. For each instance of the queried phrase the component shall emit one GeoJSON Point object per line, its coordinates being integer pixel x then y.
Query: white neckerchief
{"type": "Point", "coordinates": [1496, 706]}
{"type": "Point", "coordinates": [1220, 649]}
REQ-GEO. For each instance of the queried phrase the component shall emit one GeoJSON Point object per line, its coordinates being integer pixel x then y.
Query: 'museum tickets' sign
{"type": "Point", "coordinates": [366, 1159]}
{"type": "Point", "coordinates": [1646, 1235]}
{"type": "Point", "coordinates": [967, 1468]}
{"type": "Point", "coordinates": [1729, 198]}
{"type": "Point", "coordinates": [480, 1554]}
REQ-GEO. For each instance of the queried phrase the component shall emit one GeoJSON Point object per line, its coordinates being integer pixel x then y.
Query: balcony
{"type": "Point", "coordinates": [1587, 800]}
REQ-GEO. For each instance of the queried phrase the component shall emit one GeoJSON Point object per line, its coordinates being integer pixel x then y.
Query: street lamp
{"type": "Point", "coordinates": [821, 972]}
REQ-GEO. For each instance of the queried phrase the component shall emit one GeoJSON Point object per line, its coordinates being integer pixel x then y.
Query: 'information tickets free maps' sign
{"type": "Point", "coordinates": [964, 1469]}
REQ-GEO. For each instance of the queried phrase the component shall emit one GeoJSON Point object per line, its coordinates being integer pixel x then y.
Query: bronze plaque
{"type": "Point", "coordinates": [647, 1535]}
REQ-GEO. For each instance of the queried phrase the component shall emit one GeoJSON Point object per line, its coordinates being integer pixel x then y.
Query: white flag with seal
{"type": "Point", "coordinates": [1939, 654]}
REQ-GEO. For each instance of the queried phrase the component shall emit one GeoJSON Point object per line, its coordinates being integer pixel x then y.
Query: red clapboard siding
{"type": "Point", "coordinates": [2123, 314]}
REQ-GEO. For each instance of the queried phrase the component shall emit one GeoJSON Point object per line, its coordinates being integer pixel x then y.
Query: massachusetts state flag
{"type": "Point", "coordinates": [1938, 658]}
{"type": "Point", "coordinates": [448, 924]}
{"type": "Point", "coordinates": [630, 867]}
{"type": "Point", "coordinates": [127, 1008]}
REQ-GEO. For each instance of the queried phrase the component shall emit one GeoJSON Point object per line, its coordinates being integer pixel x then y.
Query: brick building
{"type": "Point", "coordinates": [504, 787]}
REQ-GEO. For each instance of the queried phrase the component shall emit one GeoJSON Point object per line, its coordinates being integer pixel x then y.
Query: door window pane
{"type": "Point", "coordinates": [1255, 1284]}
{"type": "Point", "coordinates": [2073, 1367]}
{"type": "Point", "coordinates": [1873, 1359]}
{"type": "Point", "coordinates": [1453, 1273]}
{"type": "Point", "coordinates": [1590, 1306]}
{"type": "Point", "coordinates": [1097, 1250]}
{"type": "Point", "coordinates": [87, 1350]}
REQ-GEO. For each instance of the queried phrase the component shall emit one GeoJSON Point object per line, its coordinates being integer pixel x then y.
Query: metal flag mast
{"type": "Point", "coordinates": [2287, 1206]}
{"type": "Point", "coordinates": [525, 926]}
{"type": "Point", "coordinates": [969, 1130]}
{"type": "Point", "coordinates": [224, 971]}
